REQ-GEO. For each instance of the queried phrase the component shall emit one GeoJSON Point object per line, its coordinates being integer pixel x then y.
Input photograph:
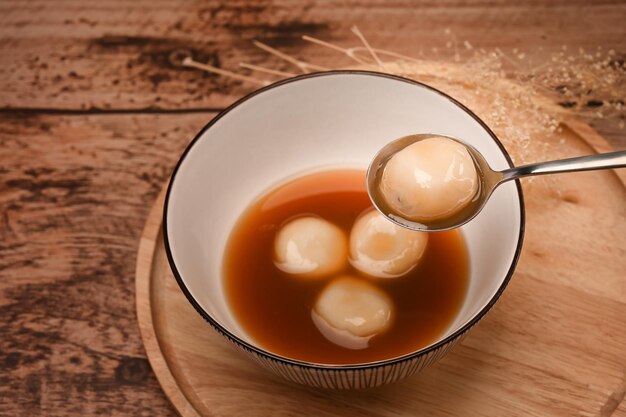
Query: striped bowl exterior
{"type": "Point", "coordinates": [350, 377]}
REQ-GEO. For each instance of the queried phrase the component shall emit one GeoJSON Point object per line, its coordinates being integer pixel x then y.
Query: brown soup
{"type": "Point", "coordinates": [274, 308]}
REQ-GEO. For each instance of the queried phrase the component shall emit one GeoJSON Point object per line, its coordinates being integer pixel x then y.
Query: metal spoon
{"type": "Point", "coordinates": [489, 179]}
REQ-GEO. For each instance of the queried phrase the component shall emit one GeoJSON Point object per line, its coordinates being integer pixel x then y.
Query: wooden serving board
{"type": "Point", "coordinates": [555, 344]}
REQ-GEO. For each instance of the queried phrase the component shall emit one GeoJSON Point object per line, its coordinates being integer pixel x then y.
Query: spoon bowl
{"type": "Point", "coordinates": [488, 180]}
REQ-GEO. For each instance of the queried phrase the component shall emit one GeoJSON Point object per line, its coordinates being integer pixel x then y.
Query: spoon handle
{"type": "Point", "coordinates": [582, 163]}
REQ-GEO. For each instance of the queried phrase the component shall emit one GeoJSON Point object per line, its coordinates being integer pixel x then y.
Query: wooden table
{"type": "Point", "coordinates": [94, 114]}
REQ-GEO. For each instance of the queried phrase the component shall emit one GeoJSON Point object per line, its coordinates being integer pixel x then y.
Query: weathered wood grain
{"type": "Point", "coordinates": [123, 54]}
{"type": "Point", "coordinates": [74, 194]}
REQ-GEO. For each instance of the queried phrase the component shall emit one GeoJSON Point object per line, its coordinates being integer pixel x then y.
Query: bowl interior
{"type": "Point", "coordinates": [317, 122]}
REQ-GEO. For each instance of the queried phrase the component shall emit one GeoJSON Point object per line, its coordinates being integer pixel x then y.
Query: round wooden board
{"type": "Point", "coordinates": [553, 345]}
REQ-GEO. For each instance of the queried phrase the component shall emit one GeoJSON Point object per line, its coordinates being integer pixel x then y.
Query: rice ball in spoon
{"type": "Point", "coordinates": [429, 180]}
{"type": "Point", "coordinates": [382, 249]}
{"type": "Point", "coordinates": [350, 311]}
{"type": "Point", "coordinates": [310, 247]}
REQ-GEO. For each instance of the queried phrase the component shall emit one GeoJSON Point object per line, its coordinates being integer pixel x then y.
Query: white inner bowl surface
{"type": "Point", "coordinates": [332, 120]}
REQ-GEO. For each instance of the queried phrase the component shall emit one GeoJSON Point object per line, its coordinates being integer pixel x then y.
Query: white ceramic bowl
{"type": "Point", "coordinates": [313, 122]}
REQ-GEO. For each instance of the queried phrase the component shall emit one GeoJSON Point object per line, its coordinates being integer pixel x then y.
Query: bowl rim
{"type": "Point", "coordinates": [345, 367]}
